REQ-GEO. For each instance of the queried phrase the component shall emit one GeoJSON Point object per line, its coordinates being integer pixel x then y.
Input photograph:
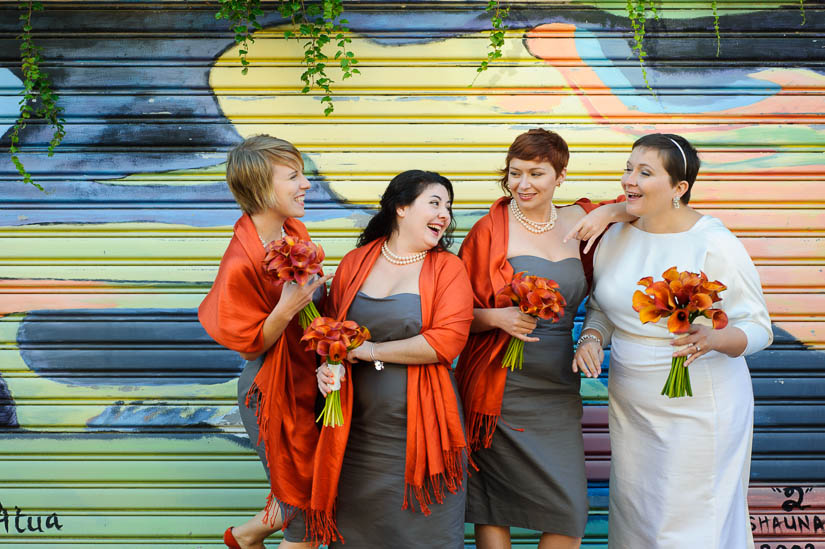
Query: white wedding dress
{"type": "Point", "coordinates": [680, 467]}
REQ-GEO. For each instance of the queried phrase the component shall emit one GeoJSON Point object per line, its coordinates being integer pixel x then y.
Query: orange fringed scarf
{"type": "Point", "coordinates": [480, 377]}
{"type": "Point", "coordinates": [233, 313]}
{"type": "Point", "coordinates": [436, 447]}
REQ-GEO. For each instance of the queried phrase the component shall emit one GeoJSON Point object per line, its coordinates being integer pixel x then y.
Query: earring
{"type": "Point", "coordinates": [676, 202]}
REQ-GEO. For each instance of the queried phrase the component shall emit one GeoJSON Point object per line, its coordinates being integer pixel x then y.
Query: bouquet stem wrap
{"type": "Point", "coordinates": [332, 415]}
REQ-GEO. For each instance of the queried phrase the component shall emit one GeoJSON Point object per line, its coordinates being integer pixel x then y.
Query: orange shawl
{"type": "Point", "coordinates": [480, 377]}
{"type": "Point", "coordinates": [436, 447]}
{"type": "Point", "coordinates": [233, 313]}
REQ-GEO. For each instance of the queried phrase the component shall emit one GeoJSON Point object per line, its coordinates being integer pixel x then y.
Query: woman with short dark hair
{"type": "Point", "coordinates": [680, 466]}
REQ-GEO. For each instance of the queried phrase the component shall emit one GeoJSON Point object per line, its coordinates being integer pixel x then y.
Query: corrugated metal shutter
{"type": "Point", "coordinates": [120, 424]}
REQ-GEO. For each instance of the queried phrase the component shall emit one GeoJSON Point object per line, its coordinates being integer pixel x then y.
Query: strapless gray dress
{"type": "Point", "coordinates": [535, 478]}
{"type": "Point", "coordinates": [371, 487]}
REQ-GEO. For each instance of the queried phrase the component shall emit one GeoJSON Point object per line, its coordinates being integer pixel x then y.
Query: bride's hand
{"type": "Point", "coordinates": [588, 358]}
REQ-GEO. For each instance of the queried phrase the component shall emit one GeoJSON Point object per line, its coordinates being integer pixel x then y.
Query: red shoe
{"type": "Point", "coordinates": [229, 540]}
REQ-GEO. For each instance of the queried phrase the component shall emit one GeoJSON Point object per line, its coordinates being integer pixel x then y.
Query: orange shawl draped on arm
{"type": "Point", "coordinates": [436, 446]}
{"type": "Point", "coordinates": [480, 377]}
{"type": "Point", "coordinates": [233, 313]}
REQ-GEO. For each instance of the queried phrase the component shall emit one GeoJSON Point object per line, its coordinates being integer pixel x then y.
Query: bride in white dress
{"type": "Point", "coordinates": [680, 467]}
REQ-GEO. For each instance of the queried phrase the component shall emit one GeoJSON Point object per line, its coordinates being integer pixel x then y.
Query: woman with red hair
{"type": "Point", "coordinates": [530, 469]}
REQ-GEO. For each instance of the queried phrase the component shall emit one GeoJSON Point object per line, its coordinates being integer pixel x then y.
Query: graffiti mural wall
{"type": "Point", "coordinates": [117, 411]}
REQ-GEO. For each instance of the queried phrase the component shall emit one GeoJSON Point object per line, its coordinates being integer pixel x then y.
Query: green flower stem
{"type": "Point", "coordinates": [678, 381]}
{"type": "Point", "coordinates": [307, 315]}
{"type": "Point", "coordinates": [514, 355]}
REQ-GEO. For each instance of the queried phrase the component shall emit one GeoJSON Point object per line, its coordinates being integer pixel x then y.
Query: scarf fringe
{"type": "Point", "coordinates": [254, 394]}
{"type": "Point", "coordinates": [480, 429]}
{"type": "Point", "coordinates": [320, 525]}
{"type": "Point", "coordinates": [433, 487]}
{"type": "Point", "coordinates": [321, 528]}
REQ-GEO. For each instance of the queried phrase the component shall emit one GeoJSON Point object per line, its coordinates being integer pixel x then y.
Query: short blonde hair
{"type": "Point", "coordinates": [249, 169]}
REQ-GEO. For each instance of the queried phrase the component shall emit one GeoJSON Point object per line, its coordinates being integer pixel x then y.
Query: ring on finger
{"type": "Point", "coordinates": [698, 348]}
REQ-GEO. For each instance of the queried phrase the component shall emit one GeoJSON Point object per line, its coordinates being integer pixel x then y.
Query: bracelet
{"type": "Point", "coordinates": [378, 364]}
{"type": "Point", "coordinates": [585, 337]}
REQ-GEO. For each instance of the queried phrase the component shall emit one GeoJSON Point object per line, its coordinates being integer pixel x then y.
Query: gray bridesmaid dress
{"type": "Point", "coordinates": [296, 530]}
{"type": "Point", "coordinates": [535, 478]}
{"type": "Point", "coordinates": [371, 487]}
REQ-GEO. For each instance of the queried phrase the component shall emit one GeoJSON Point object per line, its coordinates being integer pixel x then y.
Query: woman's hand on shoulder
{"type": "Point", "coordinates": [588, 358]}
{"type": "Point", "coordinates": [295, 297]}
{"type": "Point", "coordinates": [515, 323]}
{"type": "Point", "coordinates": [590, 226]}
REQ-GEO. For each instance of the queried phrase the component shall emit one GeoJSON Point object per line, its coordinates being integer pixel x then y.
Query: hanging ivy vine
{"type": "Point", "coordinates": [243, 18]}
{"type": "Point", "coordinates": [637, 13]}
{"type": "Point", "coordinates": [497, 16]}
{"type": "Point", "coordinates": [38, 100]}
{"type": "Point", "coordinates": [318, 24]}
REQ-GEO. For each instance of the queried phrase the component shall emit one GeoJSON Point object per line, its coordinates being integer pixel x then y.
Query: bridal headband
{"type": "Point", "coordinates": [684, 158]}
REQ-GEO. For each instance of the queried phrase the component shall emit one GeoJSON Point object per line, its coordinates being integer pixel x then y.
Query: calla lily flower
{"type": "Point", "coordinates": [662, 296]}
{"type": "Point", "coordinates": [679, 321]}
{"type": "Point", "coordinates": [700, 302]}
{"type": "Point", "coordinates": [337, 352]}
{"type": "Point", "coordinates": [718, 317]}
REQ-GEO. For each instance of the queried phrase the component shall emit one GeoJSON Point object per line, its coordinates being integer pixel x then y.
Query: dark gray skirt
{"type": "Point", "coordinates": [296, 530]}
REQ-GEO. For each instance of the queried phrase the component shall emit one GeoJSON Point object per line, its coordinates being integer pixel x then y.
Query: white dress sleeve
{"type": "Point", "coordinates": [728, 262]}
{"type": "Point", "coordinates": [595, 319]}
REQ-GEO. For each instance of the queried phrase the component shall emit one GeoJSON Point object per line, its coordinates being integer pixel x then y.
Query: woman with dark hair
{"type": "Point", "coordinates": [397, 466]}
{"type": "Point", "coordinates": [531, 470]}
{"type": "Point", "coordinates": [680, 467]}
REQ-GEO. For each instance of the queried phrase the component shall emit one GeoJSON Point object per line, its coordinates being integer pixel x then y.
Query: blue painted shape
{"type": "Point", "coordinates": [124, 347]}
{"type": "Point", "coordinates": [9, 104]}
{"type": "Point", "coordinates": [590, 47]}
{"type": "Point", "coordinates": [8, 410]}
{"type": "Point", "coordinates": [137, 415]}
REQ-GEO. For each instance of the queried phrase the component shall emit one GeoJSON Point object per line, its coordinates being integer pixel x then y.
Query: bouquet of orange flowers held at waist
{"type": "Point", "coordinates": [332, 340]}
{"type": "Point", "coordinates": [683, 296]}
{"type": "Point", "coordinates": [293, 260]}
{"type": "Point", "coordinates": [536, 296]}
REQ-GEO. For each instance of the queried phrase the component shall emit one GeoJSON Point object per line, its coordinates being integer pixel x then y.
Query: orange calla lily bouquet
{"type": "Point", "coordinates": [536, 296]}
{"type": "Point", "coordinates": [293, 260]}
{"type": "Point", "coordinates": [683, 296]}
{"type": "Point", "coordinates": [332, 340]}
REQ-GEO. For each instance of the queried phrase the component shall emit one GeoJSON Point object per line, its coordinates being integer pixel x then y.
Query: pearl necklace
{"type": "Point", "coordinates": [534, 226]}
{"type": "Point", "coordinates": [401, 259]}
{"type": "Point", "coordinates": [264, 242]}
